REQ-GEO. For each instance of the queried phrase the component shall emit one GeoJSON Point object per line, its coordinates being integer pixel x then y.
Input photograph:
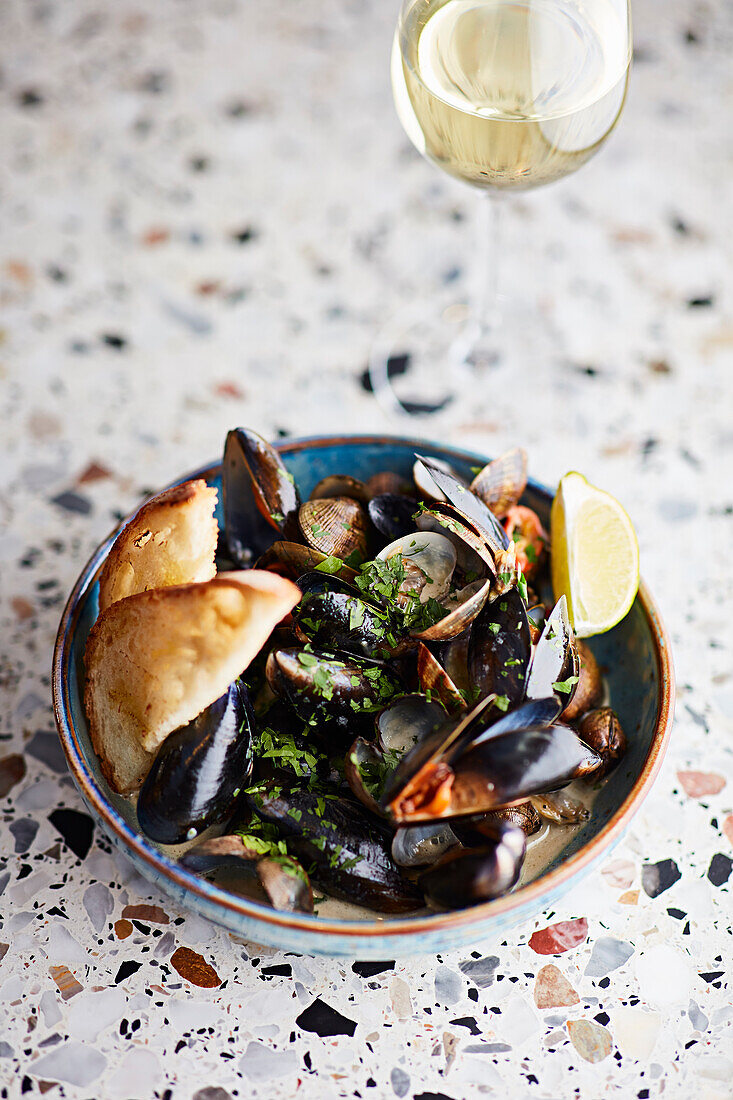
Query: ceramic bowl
{"type": "Point", "coordinates": [640, 680]}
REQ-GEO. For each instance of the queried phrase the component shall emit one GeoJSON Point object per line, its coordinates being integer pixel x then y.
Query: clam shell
{"type": "Point", "coordinates": [293, 559]}
{"type": "Point", "coordinates": [470, 600]}
{"type": "Point", "coordinates": [335, 525]}
{"type": "Point", "coordinates": [502, 482]}
{"type": "Point", "coordinates": [432, 555]}
{"type": "Point", "coordinates": [341, 485]}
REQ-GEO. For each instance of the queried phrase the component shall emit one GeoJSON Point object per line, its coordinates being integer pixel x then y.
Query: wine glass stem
{"type": "Point", "coordinates": [484, 306]}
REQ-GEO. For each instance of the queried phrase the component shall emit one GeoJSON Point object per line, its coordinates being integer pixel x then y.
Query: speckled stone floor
{"type": "Point", "coordinates": [207, 210]}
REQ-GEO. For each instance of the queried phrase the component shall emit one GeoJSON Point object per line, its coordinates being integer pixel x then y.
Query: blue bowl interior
{"type": "Point", "coordinates": [626, 654]}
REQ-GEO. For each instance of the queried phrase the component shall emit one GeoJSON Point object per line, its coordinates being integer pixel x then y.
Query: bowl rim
{"type": "Point", "coordinates": [187, 882]}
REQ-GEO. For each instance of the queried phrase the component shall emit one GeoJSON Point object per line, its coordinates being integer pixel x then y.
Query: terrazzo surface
{"type": "Point", "coordinates": [208, 208]}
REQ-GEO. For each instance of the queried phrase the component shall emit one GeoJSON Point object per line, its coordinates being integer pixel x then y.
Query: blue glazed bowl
{"type": "Point", "coordinates": [640, 679]}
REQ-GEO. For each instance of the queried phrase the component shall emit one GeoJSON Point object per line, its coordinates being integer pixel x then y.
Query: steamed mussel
{"type": "Point", "coordinates": [406, 731]}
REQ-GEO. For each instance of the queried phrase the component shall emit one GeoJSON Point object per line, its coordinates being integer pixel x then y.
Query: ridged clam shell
{"type": "Point", "coordinates": [335, 525]}
{"type": "Point", "coordinates": [502, 482]}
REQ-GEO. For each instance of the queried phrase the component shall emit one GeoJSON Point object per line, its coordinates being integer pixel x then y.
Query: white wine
{"type": "Point", "coordinates": [510, 93]}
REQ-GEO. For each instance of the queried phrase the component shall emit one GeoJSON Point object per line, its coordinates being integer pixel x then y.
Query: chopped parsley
{"type": "Point", "coordinates": [565, 686]}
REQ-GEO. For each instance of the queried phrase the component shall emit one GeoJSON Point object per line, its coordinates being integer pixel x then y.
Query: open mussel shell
{"type": "Point", "coordinates": [495, 773]}
{"type": "Point", "coordinates": [560, 808]}
{"type": "Point", "coordinates": [317, 684]}
{"type": "Point", "coordinates": [428, 559]}
{"type": "Point", "coordinates": [473, 556]}
{"type": "Point", "coordinates": [465, 878]}
{"type": "Point", "coordinates": [468, 505]}
{"type": "Point", "coordinates": [501, 483]}
{"type": "Point", "coordinates": [428, 755]}
{"type": "Point", "coordinates": [393, 514]}
{"type": "Point", "coordinates": [260, 500]}
{"type": "Point", "coordinates": [427, 486]}
{"type": "Point", "coordinates": [348, 849]}
{"type": "Point", "coordinates": [420, 845]}
{"type": "Point", "coordinates": [336, 616]}
{"type": "Point", "coordinates": [406, 722]}
{"type": "Point", "coordinates": [337, 526]}
{"type": "Point", "coordinates": [293, 559]}
{"type": "Point", "coordinates": [283, 879]}
{"type": "Point", "coordinates": [435, 681]}
{"type": "Point", "coordinates": [555, 664]}
{"type": "Point", "coordinates": [199, 771]}
{"type": "Point", "coordinates": [499, 648]}
{"type": "Point", "coordinates": [341, 485]}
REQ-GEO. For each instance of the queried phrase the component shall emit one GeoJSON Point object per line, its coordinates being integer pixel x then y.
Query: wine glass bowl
{"type": "Point", "coordinates": [505, 95]}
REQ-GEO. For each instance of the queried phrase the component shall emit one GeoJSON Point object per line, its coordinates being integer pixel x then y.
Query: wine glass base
{"type": "Point", "coordinates": [445, 366]}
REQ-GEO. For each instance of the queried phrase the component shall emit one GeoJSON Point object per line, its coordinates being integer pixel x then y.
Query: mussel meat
{"type": "Point", "coordinates": [199, 771]}
{"type": "Point", "coordinates": [283, 879]}
{"type": "Point", "coordinates": [559, 808]}
{"type": "Point", "coordinates": [491, 773]}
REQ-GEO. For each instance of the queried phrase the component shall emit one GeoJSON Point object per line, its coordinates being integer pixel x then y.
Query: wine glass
{"type": "Point", "coordinates": [506, 95]}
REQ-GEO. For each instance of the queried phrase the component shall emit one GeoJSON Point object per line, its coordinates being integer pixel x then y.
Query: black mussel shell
{"type": "Point", "coordinates": [294, 559]}
{"type": "Point", "coordinates": [465, 878]}
{"type": "Point", "coordinates": [499, 648]}
{"type": "Point", "coordinates": [336, 616]}
{"type": "Point", "coordinates": [393, 515]}
{"type": "Point", "coordinates": [199, 771]}
{"type": "Point", "coordinates": [349, 850]}
{"type": "Point", "coordinates": [435, 747]}
{"type": "Point", "coordinates": [511, 767]}
{"type": "Point", "coordinates": [533, 714]}
{"type": "Point", "coordinates": [490, 773]}
{"type": "Point", "coordinates": [469, 505]}
{"type": "Point", "coordinates": [365, 769]}
{"type": "Point", "coordinates": [260, 499]}
{"type": "Point", "coordinates": [555, 665]}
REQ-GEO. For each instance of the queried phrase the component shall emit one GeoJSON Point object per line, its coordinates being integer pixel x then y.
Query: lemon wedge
{"type": "Point", "coordinates": [595, 555]}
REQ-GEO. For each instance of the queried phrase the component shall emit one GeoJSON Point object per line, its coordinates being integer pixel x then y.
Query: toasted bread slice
{"type": "Point", "coordinates": [171, 540]}
{"type": "Point", "coordinates": [156, 659]}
